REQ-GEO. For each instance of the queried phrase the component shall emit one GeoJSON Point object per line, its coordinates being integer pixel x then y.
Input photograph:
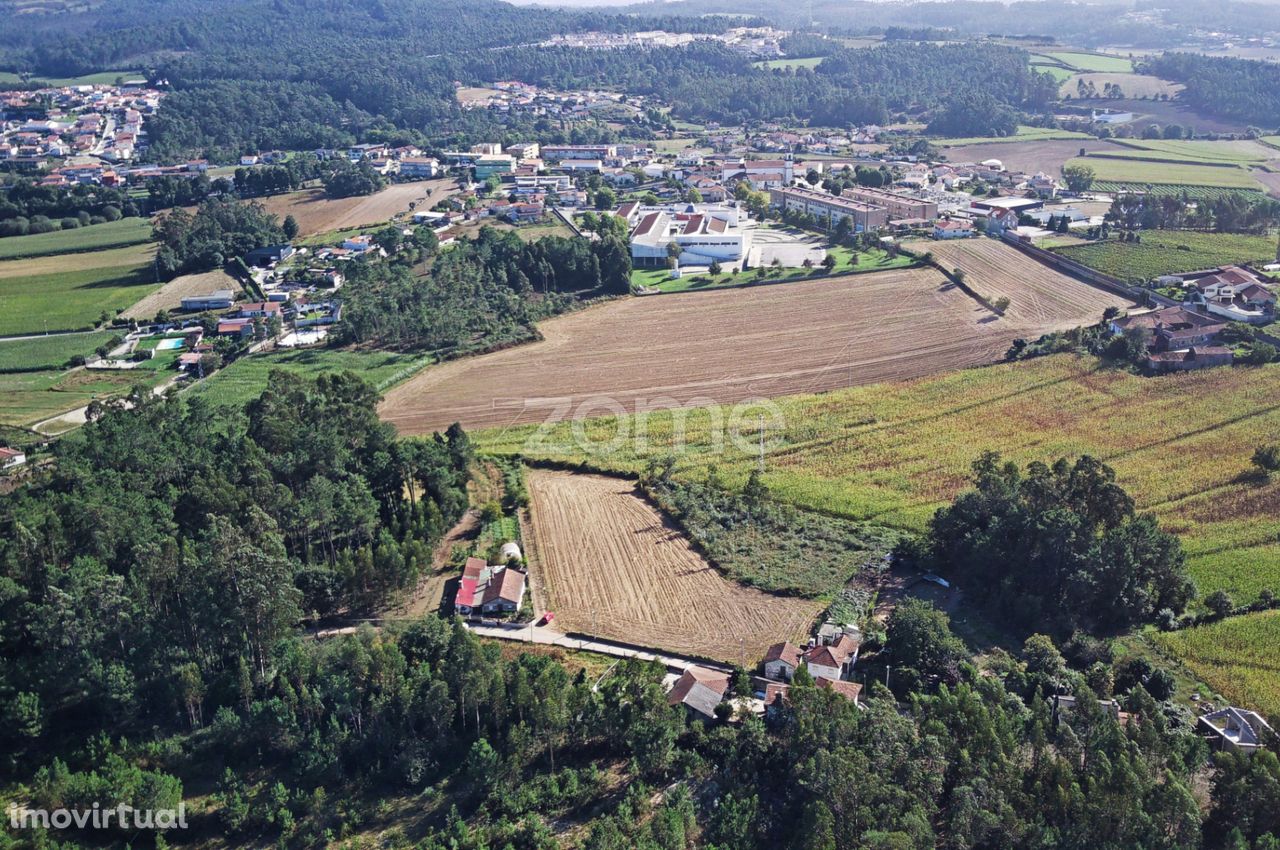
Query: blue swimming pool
{"type": "Point", "coordinates": [169, 344]}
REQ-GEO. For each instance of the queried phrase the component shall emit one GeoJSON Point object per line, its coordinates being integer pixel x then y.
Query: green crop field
{"type": "Point", "coordinates": [70, 292]}
{"type": "Point", "coordinates": [1227, 153]}
{"type": "Point", "coordinates": [1170, 252]}
{"type": "Point", "coordinates": [1059, 73]}
{"type": "Point", "coordinates": [1090, 62]}
{"type": "Point", "coordinates": [1271, 141]}
{"type": "Point", "coordinates": [1024, 134]}
{"type": "Point", "coordinates": [1140, 172]}
{"type": "Point", "coordinates": [1235, 656]}
{"type": "Point", "coordinates": [1193, 193]}
{"type": "Point", "coordinates": [101, 78]}
{"type": "Point", "coordinates": [29, 397]}
{"type": "Point", "coordinates": [48, 352]}
{"type": "Point", "coordinates": [246, 378]}
{"type": "Point", "coordinates": [807, 62]}
{"type": "Point", "coordinates": [894, 453]}
{"type": "Point", "coordinates": [113, 234]}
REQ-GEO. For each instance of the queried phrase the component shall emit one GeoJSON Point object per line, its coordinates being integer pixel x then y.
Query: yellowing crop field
{"type": "Point", "coordinates": [895, 452]}
{"type": "Point", "coordinates": [1236, 657]}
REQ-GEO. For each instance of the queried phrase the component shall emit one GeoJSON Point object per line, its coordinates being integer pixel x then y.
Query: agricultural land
{"type": "Point", "coordinates": [71, 291]}
{"type": "Point", "coordinates": [818, 335]}
{"type": "Point", "coordinates": [246, 378]}
{"type": "Point", "coordinates": [1038, 294]}
{"type": "Point", "coordinates": [1170, 252]}
{"type": "Point", "coordinates": [610, 564]}
{"type": "Point", "coordinates": [317, 214]}
{"type": "Point", "coordinates": [97, 237]}
{"type": "Point", "coordinates": [894, 453]}
{"type": "Point", "coordinates": [1236, 657]}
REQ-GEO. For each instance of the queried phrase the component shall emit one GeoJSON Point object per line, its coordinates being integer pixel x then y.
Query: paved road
{"type": "Point", "coordinates": [550, 637]}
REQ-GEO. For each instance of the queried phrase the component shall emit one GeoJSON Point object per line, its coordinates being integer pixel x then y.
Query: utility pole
{"type": "Point", "coordinates": [760, 422]}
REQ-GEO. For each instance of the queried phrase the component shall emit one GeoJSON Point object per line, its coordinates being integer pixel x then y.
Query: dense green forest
{"type": "Point", "coordinates": [480, 293]}
{"type": "Point", "coordinates": [1233, 88]}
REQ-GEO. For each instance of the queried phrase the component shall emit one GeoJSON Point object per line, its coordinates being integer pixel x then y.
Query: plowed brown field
{"type": "Point", "coordinates": [1039, 295]}
{"type": "Point", "coordinates": [721, 347]}
{"type": "Point", "coordinates": [609, 564]}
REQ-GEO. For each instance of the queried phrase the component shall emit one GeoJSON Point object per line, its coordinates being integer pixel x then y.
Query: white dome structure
{"type": "Point", "coordinates": [509, 551]}
{"type": "Point", "coordinates": [993, 163]}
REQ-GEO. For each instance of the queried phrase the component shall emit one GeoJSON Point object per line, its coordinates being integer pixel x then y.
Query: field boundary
{"type": "Point", "coordinates": [1093, 277]}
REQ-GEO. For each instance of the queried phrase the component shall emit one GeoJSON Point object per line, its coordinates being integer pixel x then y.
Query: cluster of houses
{"type": "Point", "coordinates": [44, 127]}
{"type": "Point", "coordinates": [1188, 336]}
{"type": "Point", "coordinates": [829, 660]}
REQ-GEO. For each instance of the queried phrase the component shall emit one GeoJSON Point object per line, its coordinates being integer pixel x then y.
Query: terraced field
{"type": "Point", "coordinates": [1139, 172]}
{"type": "Point", "coordinates": [610, 564]}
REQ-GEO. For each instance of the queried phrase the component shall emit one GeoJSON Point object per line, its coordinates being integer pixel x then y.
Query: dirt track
{"type": "Point", "coordinates": [1039, 295]}
{"type": "Point", "coordinates": [610, 564]}
{"type": "Point", "coordinates": [715, 347]}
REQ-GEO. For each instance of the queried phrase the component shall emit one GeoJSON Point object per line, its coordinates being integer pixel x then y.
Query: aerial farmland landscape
{"type": "Point", "coordinates": [596, 425]}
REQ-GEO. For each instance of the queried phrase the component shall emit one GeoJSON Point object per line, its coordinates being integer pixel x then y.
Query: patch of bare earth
{"type": "Point", "coordinates": [611, 564]}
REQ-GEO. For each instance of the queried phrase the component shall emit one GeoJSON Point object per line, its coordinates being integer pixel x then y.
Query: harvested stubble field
{"type": "Point", "coordinates": [1029, 156]}
{"type": "Point", "coordinates": [604, 555]}
{"type": "Point", "coordinates": [894, 453]}
{"type": "Point", "coordinates": [1133, 85]}
{"type": "Point", "coordinates": [721, 348]}
{"type": "Point", "coordinates": [1038, 294]}
{"type": "Point", "coordinates": [317, 214]}
{"type": "Point", "coordinates": [169, 296]}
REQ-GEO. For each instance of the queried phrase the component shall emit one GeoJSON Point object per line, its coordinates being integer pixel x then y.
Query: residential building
{"type": "Point", "coordinates": [832, 661]}
{"type": "Point", "coordinates": [781, 661]}
{"type": "Point", "coordinates": [761, 173]}
{"type": "Point", "coordinates": [261, 310]}
{"type": "Point", "coordinates": [830, 209]}
{"type": "Point", "coordinates": [235, 327]}
{"type": "Point", "coordinates": [490, 165]}
{"type": "Point", "coordinates": [1173, 328]}
{"type": "Point", "coordinates": [953, 228]}
{"type": "Point", "coordinates": [419, 167]}
{"type": "Point", "coordinates": [524, 150]}
{"type": "Point", "coordinates": [898, 204]}
{"type": "Point", "coordinates": [219, 299]}
{"type": "Point", "coordinates": [1190, 359]}
{"type": "Point", "coordinates": [489, 589]}
{"type": "Point", "coordinates": [529, 184]}
{"type": "Point", "coordinates": [699, 690]}
{"type": "Point", "coordinates": [1234, 728]}
{"type": "Point", "coordinates": [1232, 293]}
{"type": "Point", "coordinates": [9, 458]}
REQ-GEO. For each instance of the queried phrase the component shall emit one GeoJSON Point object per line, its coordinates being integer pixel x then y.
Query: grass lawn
{"type": "Point", "coordinates": [1162, 252]}
{"type": "Point", "coordinates": [29, 397]}
{"type": "Point", "coordinates": [893, 453]}
{"type": "Point", "coordinates": [769, 64]}
{"type": "Point", "coordinates": [1235, 656]}
{"type": "Point", "coordinates": [1139, 172]}
{"type": "Point", "coordinates": [1024, 134]}
{"type": "Point", "coordinates": [113, 234]}
{"type": "Point", "coordinates": [1091, 62]}
{"type": "Point", "coordinates": [101, 78]}
{"type": "Point", "coordinates": [868, 261]}
{"type": "Point", "coordinates": [1271, 141]}
{"type": "Point", "coordinates": [1058, 73]}
{"type": "Point", "coordinates": [71, 292]}
{"type": "Point", "coordinates": [49, 352]}
{"type": "Point", "coordinates": [246, 378]}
